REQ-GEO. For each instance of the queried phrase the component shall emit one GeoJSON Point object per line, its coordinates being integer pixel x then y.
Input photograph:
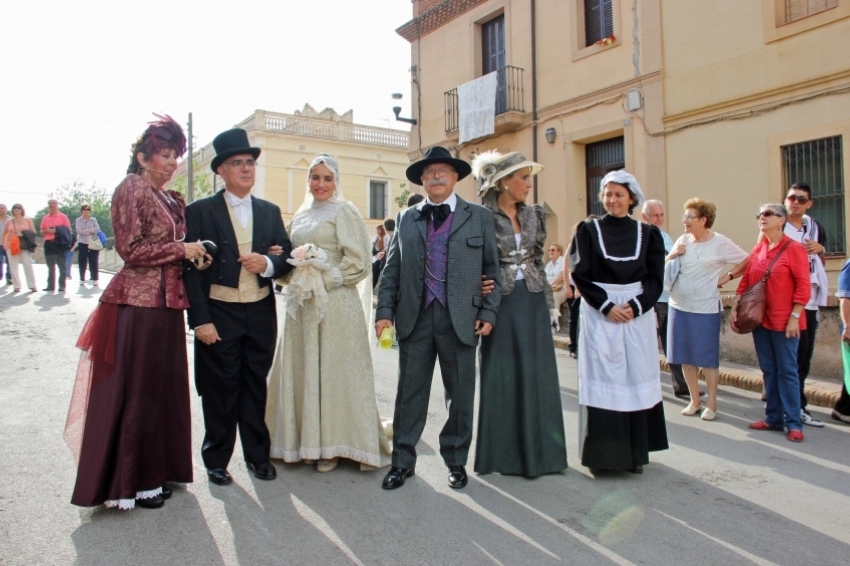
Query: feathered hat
{"type": "Point", "coordinates": [490, 166]}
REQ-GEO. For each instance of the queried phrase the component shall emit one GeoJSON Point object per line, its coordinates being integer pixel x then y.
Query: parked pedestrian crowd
{"type": "Point", "coordinates": [451, 280]}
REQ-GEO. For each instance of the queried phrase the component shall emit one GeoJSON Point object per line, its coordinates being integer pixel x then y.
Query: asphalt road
{"type": "Point", "coordinates": [721, 494]}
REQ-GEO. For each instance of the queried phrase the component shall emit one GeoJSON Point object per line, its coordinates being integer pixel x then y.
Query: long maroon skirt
{"type": "Point", "coordinates": [129, 424]}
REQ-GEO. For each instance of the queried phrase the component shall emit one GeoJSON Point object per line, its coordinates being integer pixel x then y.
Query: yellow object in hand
{"type": "Point", "coordinates": [386, 339]}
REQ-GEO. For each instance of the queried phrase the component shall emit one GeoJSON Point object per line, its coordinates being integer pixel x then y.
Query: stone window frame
{"type": "Point", "coordinates": [579, 49]}
{"type": "Point", "coordinates": [775, 28]}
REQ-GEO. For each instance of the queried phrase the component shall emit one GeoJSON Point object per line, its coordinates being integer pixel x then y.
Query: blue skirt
{"type": "Point", "coordinates": [693, 338]}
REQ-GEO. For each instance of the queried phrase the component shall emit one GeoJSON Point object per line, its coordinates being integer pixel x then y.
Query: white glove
{"type": "Point", "coordinates": [554, 315]}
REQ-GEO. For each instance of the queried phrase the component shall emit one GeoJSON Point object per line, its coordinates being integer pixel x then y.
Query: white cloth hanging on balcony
{"type": "Point", "coordinates": [477, 107]}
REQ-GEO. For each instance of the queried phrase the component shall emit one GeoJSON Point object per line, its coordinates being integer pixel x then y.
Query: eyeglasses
{"type": "Point", "coordinates": [85, 209]}
{"type": "Point", "coordinates": [441, 171]}
{"type": "Point", "coordinates": [766, 213]}
{"type": "Point", "coordinates": [238, 163]}
{"type": "Point", "coordinates": [802, 199]}
{"type": "Point", "coordinates": [553, 249]}
{"type": "Point", "coordinates": [689, 217]}
{"type": "Point", "coordinates": [17, 208]}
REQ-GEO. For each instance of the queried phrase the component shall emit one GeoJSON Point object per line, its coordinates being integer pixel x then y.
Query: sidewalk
{"type": "Point", "coordinates": [819, 393]}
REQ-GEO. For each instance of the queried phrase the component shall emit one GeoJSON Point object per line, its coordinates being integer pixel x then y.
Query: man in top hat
{"type": "Point", "coordinates": [432, 288]}
{"type": "Point", "coordinates": [233, 309]}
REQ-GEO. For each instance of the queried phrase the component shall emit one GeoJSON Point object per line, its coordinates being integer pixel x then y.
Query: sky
{"type": "Point", "coordinates": [81, 78]}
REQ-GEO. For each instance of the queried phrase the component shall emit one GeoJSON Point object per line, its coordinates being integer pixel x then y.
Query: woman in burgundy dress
{"type": "Point", "coordinates": [129, 424]}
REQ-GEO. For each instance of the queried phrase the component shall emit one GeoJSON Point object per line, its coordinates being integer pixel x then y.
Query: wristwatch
{"type": "Point", "coordinates": [796, 315]}
{"type": "Point", "coordinates": [731, 277]}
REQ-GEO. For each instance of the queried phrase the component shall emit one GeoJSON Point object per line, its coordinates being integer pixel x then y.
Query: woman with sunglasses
{"type": "Point", "coordinates": [693, 327]}
{"type": "Point", "coordinates": [786, 293]}
{"type": "Point", "coordinates": [87, 231]}
{"type": "Point", "coordinates": [15, 226]}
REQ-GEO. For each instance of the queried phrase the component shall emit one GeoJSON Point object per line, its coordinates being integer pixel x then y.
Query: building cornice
{"type": "Point", "coordinates": [437, 16]}
{"type": "Point", "coordinates": [752, 102]}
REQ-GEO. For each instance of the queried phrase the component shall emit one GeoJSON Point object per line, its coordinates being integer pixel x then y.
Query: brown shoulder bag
{"type": "Point", "coordinates": [751, 305]}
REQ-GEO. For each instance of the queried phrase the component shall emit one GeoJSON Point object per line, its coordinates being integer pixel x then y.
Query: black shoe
{"type": "Point", "coordinates": [61, 289]}
{"type": "Point", "coordinates": [637, 470]}
{"type": "Point", "coordinates": [151, 502]}
{"type": "Point", "coordinates": [50, 289]}
{"type": "Point", "coordinates": [166, 492]}
{"type": "Point", "coordinates": [264, 471]}
{"type": "Point", "coordinates": [457, 477]}
{"type": "Point", "coordinates": [396, 476]}
{"type": "Point", "coordinates": [687, 395]}
{"type": "Point", "coordinates": [219, 476]}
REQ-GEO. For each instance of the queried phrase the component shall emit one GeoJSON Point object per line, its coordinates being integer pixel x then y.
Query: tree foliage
{"type": "Point", "coordinates": [73, 194]}
{"type": "Point", "coordinates": [202, 182]}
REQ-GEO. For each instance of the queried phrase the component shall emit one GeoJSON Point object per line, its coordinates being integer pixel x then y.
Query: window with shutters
{"type": "Point", "coordinates": [598, 20]}
{"type": "Point", "coordinates": [377, 199]}
{"type": "Point", "coordinates": [493, 50]}
{"type": "Point", "coordinates": [799, 9]}
{"type": "Point", "coordinates": [820, 163]}
{"type": "Point", "coordinates": [602, 158]}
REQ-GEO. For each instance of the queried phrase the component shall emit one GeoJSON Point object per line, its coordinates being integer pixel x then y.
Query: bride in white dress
{"type": "Point", "coordinates": [321, 394]}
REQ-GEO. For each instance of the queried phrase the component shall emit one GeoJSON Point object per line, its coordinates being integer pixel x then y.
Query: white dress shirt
{"type": "Point", "coordinates": [244, 211]}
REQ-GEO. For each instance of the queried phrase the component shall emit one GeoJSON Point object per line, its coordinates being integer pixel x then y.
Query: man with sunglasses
{"type": "Point", "coordinates": [804, 229]}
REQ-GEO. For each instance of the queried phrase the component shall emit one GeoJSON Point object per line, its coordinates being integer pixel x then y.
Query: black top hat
{"type": "Point", "coordinates": [230, 143]}
{"type": "Point", "coordinates": [437, 154]}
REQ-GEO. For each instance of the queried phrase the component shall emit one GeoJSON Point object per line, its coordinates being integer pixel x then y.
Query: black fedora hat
{"type": "Point", "coordinates": [230, 143]}
{"type": "Point", "coordinates": [437, 154]}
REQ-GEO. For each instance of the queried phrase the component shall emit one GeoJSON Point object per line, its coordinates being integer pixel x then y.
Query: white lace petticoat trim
{"type": "Point", "coordinates": [130, 503]}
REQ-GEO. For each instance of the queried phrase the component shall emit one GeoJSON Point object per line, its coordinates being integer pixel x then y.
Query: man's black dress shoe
{"type": "Point", "coordinates": [396, 476]}
{"type": "Point", "coordinates": [457, 477]}
{"type": "Point", "coordinates": [637, 470]}
{"type": "Point", "coordinates": [151, 502]}
{"type": "Point", "coordinates": [219, 476]}
{"type": "Point", "coordinates": [49, 289]}
{"type": "Point", "coordinates": [166, 492]}
{"type": "Point", "coordinates": [264, 471]}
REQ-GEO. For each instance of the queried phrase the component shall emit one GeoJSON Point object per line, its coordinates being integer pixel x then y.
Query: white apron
{"type": "Point", "coordinates": [618, 365]}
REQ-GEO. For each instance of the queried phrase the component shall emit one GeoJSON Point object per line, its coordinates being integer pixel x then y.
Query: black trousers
{"type": "Point", "coordinates": [575, 306]}
{"type": "Point", "coordinates": [55, 257]}
{"type": "Point", "coordinates": [433, 337]}
{"type": "Point", "coordinates": [87, 257]}
{"type": "Point", "coordinates": [230, 376]}
{"type": "Point", "coordinates": [680, 386]}
{"type": "Point", "coordinates": [805, 350]}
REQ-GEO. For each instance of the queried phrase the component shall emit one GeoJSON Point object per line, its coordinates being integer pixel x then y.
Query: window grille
{"type": "Point", "coordinates": [598, 20]}
{"type": "Point", "coordinates": [377, 199]}
{"type": "Point", "coordinates": [820, 164]}
{"type": "Point", "coordinates": [799, 9]}
{"type": "Point", "coordinates": [600, 158]}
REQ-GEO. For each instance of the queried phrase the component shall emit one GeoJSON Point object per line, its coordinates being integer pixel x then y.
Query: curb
{"type": "Point", "coordinates": [819, 394]}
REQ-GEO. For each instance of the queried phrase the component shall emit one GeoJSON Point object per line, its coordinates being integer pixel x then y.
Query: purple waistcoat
{"type": "Point", "coordinates": [436, 261]}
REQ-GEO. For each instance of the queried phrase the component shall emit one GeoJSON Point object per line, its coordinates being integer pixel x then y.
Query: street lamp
{"type": "Point", "coordinates": [550, 135]}
{"type": "Point", "coordinates": [397, 110]}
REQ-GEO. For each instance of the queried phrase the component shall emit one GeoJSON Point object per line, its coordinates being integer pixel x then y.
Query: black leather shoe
{"type": "Point", "coordinates": [219, 476]}
{"type": "Point", "coordinates": [264, 471]}
{"type": "Point", "coordinates": [166, 492]}
{"type": "Point", "coordinates": [686, 395]}
{"type": "Point", "coordinates": [48, 290]}
{"type": "Point", "coordinates": [457, 477]}
{"type": "Point", "coordinates": [637, 470]}
{"type": "Point", "coordinates": [396, 476]}
{"type": "Point", "coordinates": [151, 502]}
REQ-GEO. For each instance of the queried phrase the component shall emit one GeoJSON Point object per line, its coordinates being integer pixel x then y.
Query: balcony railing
{"type": "Point", "coordinates": [509, 97]}
{"type": "Point", "coordinates": [319, 128]}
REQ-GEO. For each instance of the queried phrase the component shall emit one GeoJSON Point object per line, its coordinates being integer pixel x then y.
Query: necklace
{"type": "Point", "coordinates": [170, 217]}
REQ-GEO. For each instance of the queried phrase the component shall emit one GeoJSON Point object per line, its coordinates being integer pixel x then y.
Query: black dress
{"type": "Point", "coordinates": [611, 252]}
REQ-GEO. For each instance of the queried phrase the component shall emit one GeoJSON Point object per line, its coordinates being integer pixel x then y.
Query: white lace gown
{"type": "Point", "coordinates": [321, 392]}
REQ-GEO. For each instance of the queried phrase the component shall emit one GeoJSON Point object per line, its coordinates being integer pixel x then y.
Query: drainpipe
{"type": "Point", "coordinates": [534, 88]}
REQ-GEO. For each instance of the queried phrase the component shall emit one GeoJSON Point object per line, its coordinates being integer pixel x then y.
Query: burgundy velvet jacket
{"type": "Point", "coordinates": [145, 233]}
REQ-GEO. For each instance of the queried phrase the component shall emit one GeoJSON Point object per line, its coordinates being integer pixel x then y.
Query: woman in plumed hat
{"type": "Point", "coordinates": [520, 419]}
{"type": "Point", "coordinates": [618, 265]}
{"type": "Point", "coordinates": [129, 421]}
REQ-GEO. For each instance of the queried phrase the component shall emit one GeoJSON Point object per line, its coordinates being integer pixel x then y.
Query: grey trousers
{"type": "Point", "coordinates": [433, 337]}
{"type": "Point", "coordinates": [680, 386]}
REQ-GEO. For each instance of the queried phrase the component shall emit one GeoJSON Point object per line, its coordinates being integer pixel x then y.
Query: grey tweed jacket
{"type": "Point", "coordinates": [472, 253]}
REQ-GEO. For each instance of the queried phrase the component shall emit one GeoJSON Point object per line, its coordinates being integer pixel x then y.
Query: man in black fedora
{"type": "Point", "coordinates": [232, 309]}
{"type": "Point", "coordinates": [431, 286]}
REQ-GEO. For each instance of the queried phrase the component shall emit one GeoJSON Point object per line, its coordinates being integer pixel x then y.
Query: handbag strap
{"type": "Point", "coordinates": [776, 257]}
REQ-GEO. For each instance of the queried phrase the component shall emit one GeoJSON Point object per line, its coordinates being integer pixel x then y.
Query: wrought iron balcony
{"type": "Point", "coordinates": [509, 97]}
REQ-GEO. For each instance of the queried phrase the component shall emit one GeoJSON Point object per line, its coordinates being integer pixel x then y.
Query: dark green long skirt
{"type": "Point", "coordinates": [520, 419]}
